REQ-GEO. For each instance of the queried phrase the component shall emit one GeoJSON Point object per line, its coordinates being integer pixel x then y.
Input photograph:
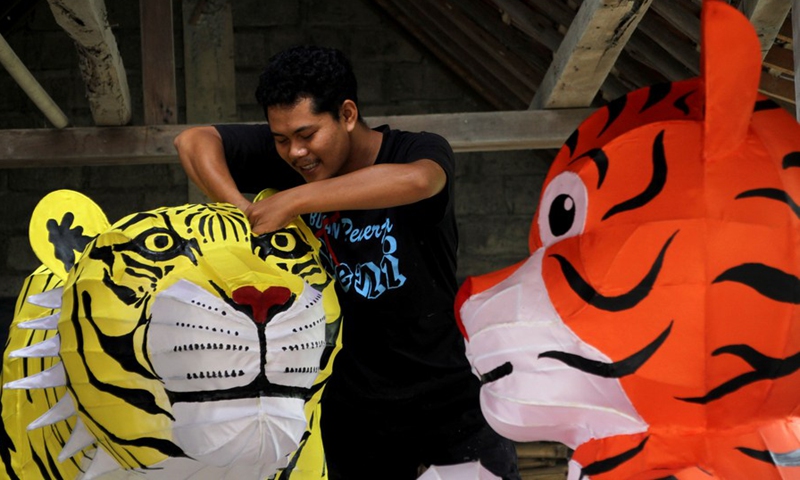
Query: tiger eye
{"type": "Point", "coordinates": [561, 215]}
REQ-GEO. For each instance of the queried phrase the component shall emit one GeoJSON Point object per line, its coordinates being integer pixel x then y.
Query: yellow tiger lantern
{"type": "Point", "coordinates": [172, 344]}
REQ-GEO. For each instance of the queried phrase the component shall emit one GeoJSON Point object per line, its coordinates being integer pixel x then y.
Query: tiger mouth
{"type": "Point", "coordinates": [204, 349]}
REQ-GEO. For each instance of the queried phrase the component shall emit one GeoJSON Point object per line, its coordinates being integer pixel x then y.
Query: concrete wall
{"type": "Point", "coordinates": [496, 192]}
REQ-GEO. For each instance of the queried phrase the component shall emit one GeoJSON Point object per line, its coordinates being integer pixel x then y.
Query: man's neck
{"type": "Point", "coordinates": [365, 143]}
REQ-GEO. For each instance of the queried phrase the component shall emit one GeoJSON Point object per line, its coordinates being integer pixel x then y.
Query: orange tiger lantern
{"type": "Point", "coordinates": [655, 327]}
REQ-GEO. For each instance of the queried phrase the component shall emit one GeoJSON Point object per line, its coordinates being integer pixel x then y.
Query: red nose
{"type": "Point", "coordinates": [260, 301]}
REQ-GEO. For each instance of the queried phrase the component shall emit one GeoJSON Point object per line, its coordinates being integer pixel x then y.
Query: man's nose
{"type": "Point", "coordinates": [298, 151]}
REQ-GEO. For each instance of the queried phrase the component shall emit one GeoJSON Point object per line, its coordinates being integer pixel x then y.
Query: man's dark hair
{"type": "Point", "coordinates": [322, 74]}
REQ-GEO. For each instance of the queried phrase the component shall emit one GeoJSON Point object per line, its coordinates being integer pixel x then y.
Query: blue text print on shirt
{"type": "Point", "coordinates": [369, 279]}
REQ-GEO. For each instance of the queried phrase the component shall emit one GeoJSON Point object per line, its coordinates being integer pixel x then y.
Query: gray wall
{"type": "Point", "coordinates": [496, 191]}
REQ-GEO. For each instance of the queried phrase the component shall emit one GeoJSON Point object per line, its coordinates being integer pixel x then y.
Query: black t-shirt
{"type": "Point", "coordinates": [395, 270]}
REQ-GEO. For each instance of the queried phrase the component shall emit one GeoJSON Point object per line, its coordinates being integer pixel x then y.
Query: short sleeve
{"type": "Point", "coordinates": [252, 159]}
{"type": "Point", "coordinates": [434, 147]}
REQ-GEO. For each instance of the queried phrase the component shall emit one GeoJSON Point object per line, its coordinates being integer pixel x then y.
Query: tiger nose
{"type": "Point", "coordinates": [261, 302]}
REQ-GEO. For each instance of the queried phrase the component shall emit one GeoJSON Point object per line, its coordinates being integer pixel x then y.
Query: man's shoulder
{"type": "Point", "coordinates": [403, 139]}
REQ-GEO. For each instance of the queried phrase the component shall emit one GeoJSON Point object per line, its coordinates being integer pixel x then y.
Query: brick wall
{"type": "Point", "coordinates": [496, 191]}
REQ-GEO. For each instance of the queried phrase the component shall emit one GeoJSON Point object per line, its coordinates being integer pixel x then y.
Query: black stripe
{"type": "Point", "coordinates": [503, 370]}
{"type": "Point", "coordinates": [622, 368]}
{"type": "Point", "coordinates": [764, 368]}
{"type": "Point", "coordinates": [681, 104]}
{"type": "Point", "coordinates": [625, 301]}
{"type": "Point", "coordinates": [615, 108]}
{"type": "Point", "coordinates": [791, 159]}
{"type": "Point", "coordinates": [572, 142]}
{"type": "Point", "coordinates": [600, 160]}
{"type": "Point", "coordinates": [761, 455]}
{"type": "Point", "coordinates": [655, 94]}
{"type": "Point", "coordinates": [772, 194]}
{"type": "Point", "coordinates": [657, 181]}
{"type": "Point", "coordinates": [610, 463]}
{"type": "Point", "coordinates": [768, 281]}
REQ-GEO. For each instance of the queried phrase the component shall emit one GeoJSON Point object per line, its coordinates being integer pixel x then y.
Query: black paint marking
{"type": "Point", "coordinates": [656, 94]}
{"type": "Point", "coordinates": [772, 194]}
{"type": "Point", "coordinates": [619, 369]}
{"type": "Point", "coordinates": [614, 108]}
{"type": "Point", "coordinates": [621, 302]}
{"type": "Point", "coordinates": [572, 142]}
{"type": "Point", "coordinates": [657, 181]}
{"type": "Point", "coordinates": [600, 160]}
{"type": "Point", "coordinates": [681, 104]}
{"type": "Point", "coordinates": [503, 370]}
{"type": "Point", "coordinates": [768, 281]}
{"type": "Point", "coordinates": [764, 368]}
{"type": "Point", "coordinates": [66, 240]}
{"type": "Point", "coordinates": [610, 463]}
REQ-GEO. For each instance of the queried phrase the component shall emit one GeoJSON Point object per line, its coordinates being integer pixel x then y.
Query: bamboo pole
{"type": "Point", "coordinates": [32, 88]}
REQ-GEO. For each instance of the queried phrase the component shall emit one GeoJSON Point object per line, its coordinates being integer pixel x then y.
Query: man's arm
{"type": "Point", "coordinates": [377, 186]}
{"type": "Point", "coordinates": [201, 153]}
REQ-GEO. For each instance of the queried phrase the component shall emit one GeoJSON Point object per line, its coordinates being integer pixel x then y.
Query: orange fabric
{"type": "Point", "coordinates": [706, 174]}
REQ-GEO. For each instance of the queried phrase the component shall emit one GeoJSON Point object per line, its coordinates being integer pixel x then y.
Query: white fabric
{"type": "Point", "coordinates": [462, 471]}
{"type": "Point", "coordinates": [542, 399]}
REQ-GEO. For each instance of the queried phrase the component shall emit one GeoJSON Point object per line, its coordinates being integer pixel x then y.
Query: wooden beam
{"type": "Point", "coordinates": [595, 38]}
{"type": "Point", "coordinates": [654, 56]}
{"type": "Point", "coordinates": [682, 50]}
{"type": "Point", "coordinates": [478, 131]}
{"type": "Point", "coordinates": [679, 15]}
{"type": "Point", "coordinates": [100, 63]}
{"type": "Point", "coordinates": [780, 59]}
{"type": "Point", "coordinates": [210, 76]}
{"type": "Point", "coordinates": [502, 65]}
{"type": "Point", "coordinates": [209, 72]}
{"type": "Point", "coordinates": [795, 22]}
{"type": "Point", "coordinates": [158, 62]}
{"type": "Point", "coordinates": [456, 56]}
{"type": "Point", "coordinates": [776, 87]}
{"type": "Point", "coordinates": [767, 16]}
{"type": "Point", "coordinates": [531, 23]}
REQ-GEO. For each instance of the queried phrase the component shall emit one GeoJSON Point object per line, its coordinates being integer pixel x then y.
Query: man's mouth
{"type": "Point", "coordinates": [307, 166]}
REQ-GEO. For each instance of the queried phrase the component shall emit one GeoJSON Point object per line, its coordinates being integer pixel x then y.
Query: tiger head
{"type": "Point", "coordinates": [654, 326]}
{"type": "Point", "coordinates": [184, 342]}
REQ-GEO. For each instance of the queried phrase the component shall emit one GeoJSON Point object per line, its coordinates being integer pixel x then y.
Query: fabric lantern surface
{"type": "Point", "coordinates": [655, 327]}
{"type": "Point", "coordinates": [173, 344]}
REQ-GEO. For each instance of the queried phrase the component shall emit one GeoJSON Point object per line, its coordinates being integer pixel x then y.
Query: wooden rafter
{"type": "Point", "coordinates": [767, 16]}
{"type": "Point", "coordinates": [593, 42]}
{"type": "Point", "coordinates": [100, 63]}
{"type": "Point", "coordinates": [482, 131]}
{"type": "Point", "coordinates": [158, 69]}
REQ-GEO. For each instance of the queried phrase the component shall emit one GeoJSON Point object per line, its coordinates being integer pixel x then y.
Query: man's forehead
{"type": "Point", "coordinates": [287, 119]}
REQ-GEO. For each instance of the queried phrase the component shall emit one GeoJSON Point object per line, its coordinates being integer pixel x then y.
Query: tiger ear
{"type": "Point", "coordinates": [61, 226]}
{"type": "Point", "coordinates": [731, 69]}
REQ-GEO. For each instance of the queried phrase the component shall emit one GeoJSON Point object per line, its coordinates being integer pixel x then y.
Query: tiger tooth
{"type": "Point", "coordinates": [48, 299]}
{"type": "Point", "coordinates": [62, 410]}
{"type": "Point", "coordinates": [46, 348]}
{"type": "Point", "coordinates": [101, 464]}
{"type": "Point", "coordinates": [54, 376]}
{"type": "Point", "coordinates": [79, 439]}
{"type": "Point", "coordinates": [49, 322]}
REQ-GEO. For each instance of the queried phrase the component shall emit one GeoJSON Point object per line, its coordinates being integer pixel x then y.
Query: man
{"type": "Point", "coordinates": [401, 393]}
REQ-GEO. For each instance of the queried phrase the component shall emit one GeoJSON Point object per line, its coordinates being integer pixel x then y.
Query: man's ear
{"type": "Point", "coordinates": [348, 112]}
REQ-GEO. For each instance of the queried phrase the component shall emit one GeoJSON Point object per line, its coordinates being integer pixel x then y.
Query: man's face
{"type": "Point", "coordinates": [316, 145]}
